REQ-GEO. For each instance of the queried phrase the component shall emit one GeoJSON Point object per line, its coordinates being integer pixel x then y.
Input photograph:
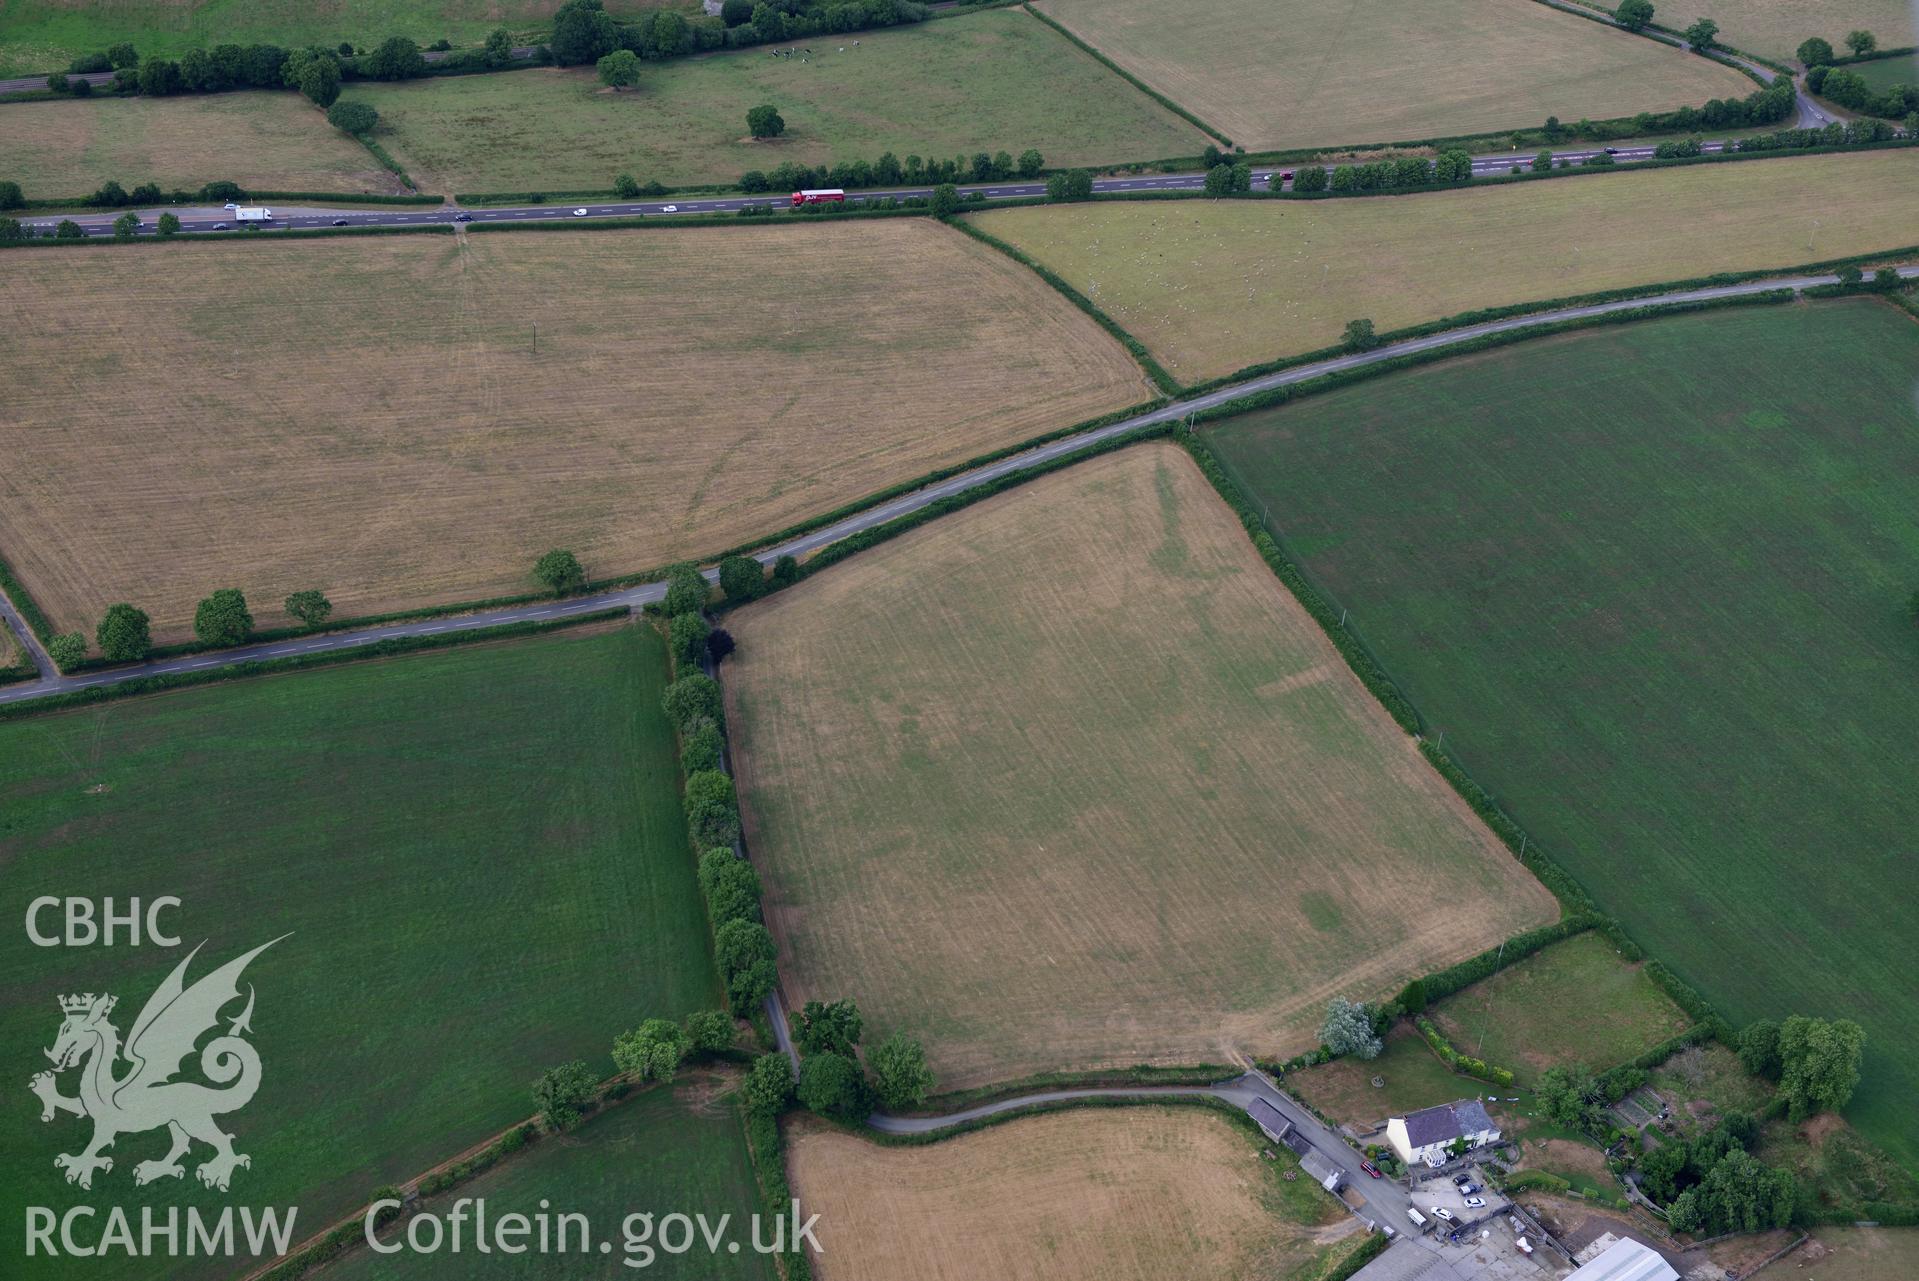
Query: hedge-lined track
{"type": "Point", "coordinates": [1649, 581]}
{"type": "Point", "coordinates": [1212, 288]}
{"type": "Point", "coordinates": [465, 405]}
{"type": "Point", "coordinates": [1072, 756]}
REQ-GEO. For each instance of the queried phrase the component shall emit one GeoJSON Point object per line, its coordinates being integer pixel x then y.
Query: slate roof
{"type": "Point", "coordinates": [1447, 1122]}
{"type": "Point", "coordinates": [1268, 1116]}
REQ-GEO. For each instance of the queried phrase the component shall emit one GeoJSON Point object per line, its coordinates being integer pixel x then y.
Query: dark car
{"type": "Point", "coordinates": [1371, 1169]}
{"type": "Point", "coordinates": [1612, 151]}
{"type": "Point", "coordinates": [1461, 1180]}
{"type": "Point", "coordinates": [219, 226]}
{"type": "Point", "coordinates": [339, 222]}
{"type": "Point", "coordinates": [463, 217]}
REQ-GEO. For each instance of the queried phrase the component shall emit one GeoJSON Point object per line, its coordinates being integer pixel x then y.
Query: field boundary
{"type": "Point", "coordinates": [1655, 33]}
{"type": "Point", "coordinates": [1130, 78]}
{"type": "Point", "coordinates": [1144, 358]}
{"type": "Point", "coordinates": [288, 233]}
{"type": "Point", "coordinates": [390, 647]}
{"type": "Point", "coordinates": [80, 203]}
{"type": "Point", "coordinates": [1763, 61]}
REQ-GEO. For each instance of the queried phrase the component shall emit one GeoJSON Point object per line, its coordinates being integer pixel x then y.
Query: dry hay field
{"type": "Point", "coordinates": [1110, 1194]}
{"type": "Point", "coordinates": [1067, 780]}
{"type": "Point", "coordinates": [265, 141]}
{"type": "Point", "coordinates": [1212, 287]}
{"type": "Point", "coordinates": [1363, 71]}
{"type": "Point", "coordinates": [1775, 28]}
{"type": "Point", "coordinates": [1855, 1254]}
{"type": "Point", "coordinates": [410, 420]}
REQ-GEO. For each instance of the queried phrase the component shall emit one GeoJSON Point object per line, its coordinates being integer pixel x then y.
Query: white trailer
{"type": "Point", "coordinates": [252, 213]}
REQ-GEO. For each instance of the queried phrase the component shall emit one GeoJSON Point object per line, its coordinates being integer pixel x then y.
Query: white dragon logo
{"type": "Point", "coordinates": [146, 1097]}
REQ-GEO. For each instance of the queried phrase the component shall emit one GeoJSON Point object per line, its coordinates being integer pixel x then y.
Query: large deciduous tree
{"type": "Point", "coordinates": [1348, 1029]}
{"type": "Point", "coordinates": [900, 1074]}
{"type": "Point", "coordinates": [765, 121]}
{"type": "Point", "coordinates": [652, 1051]}
{"type": "Point", "coordinates": [124, 634]}
{"type": "Point", "coordinates": [1818, 1064]}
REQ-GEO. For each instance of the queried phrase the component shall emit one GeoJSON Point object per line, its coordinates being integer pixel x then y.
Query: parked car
{"type": "Point", "coordinates": [1462, 1179]}
{"type": "Point", "coordinates": [1286, 175]}
{"type": "Point", "coordinates": [1443, 1213]}
{"type": "Point", "coordinates": [1476, 1202]}
{"type": "Point", "coordinates": [1467, 1189]}
{"type": "Point", "coordinates": [1371, 1169]}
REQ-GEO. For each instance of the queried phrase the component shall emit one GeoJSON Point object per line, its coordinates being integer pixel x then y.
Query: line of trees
{"type": "Point", "coordinates": [889, 170]}
{"type": "Point", "coordinates": [125, 632]}
{"type": "Point", "coordinates": [313, 70]}
{"type": "Point", "coordinates": [583, 32]}
{"type": "Point", "coordinates": [1451, 168]}
{"type": "Point", "coordinates": [1850, 90]}
{"type": "Point", "coordinates": [1818, 52]}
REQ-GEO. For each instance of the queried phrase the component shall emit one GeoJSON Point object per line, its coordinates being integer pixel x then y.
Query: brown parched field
{"type": "Point", "coordinates": [1068, 780]}
{"type": "Point", "coordinates": [1111, 1194]}
{"type": "Point", "coordinates": [412, 420]}
{"type": "Point", "coordinates": [264, 141]}
{"type": "Point", "coordinates": [1326, 72]}
{"type": "Point", "coordinates": [1212, 287]}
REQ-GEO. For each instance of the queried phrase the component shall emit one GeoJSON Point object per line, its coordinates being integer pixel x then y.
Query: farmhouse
{"type": "Point", "coordinates": [1426, 1135]}
{"type": "Point", "coordinates": [1625, 1260]}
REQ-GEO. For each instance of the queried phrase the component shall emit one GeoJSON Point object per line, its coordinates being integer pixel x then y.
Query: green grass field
{"type": "Point", "coordinates": [479, 857]}
{"type": "Point", "coordinates": [1883, 73]}
{"type": "Point", "coordinates": [1650, 581]}
{"type": "Point", "coordinates": [1340, 72]}
{"type": "Point", "coordinates": [1413, 1078]}
{"type": "Point", "coordinates": [44, 35]}
{"type": "Point", "coordinates": [263, 141]}
{"type": "Point", "coordinates": [1518, 1018]}
{"type": "Point", "coordinates": [995, 81]}
{"type": "Point", "coordinates": [664, 1151]}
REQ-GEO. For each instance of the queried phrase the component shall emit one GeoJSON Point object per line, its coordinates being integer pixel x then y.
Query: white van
{"type": "Point", "coordinates": [1419, 1220]}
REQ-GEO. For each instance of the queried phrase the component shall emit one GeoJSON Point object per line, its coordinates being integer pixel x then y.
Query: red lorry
{"type": "Point", "coordinates": [821, 196]}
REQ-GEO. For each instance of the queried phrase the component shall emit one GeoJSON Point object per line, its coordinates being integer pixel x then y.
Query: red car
{"type": "Point", "coordinates": [1287, 174]}
{"type": "Point", "coordinates": [1371, 1169]}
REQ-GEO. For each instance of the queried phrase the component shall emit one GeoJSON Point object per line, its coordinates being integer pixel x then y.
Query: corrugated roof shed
{"type": "Point", "coordinates": [1318, 1167]}
{"type": "Point", "coordinates": [1404, 1261]}
{"type": "Point", "coordinates": [1626, 1260]}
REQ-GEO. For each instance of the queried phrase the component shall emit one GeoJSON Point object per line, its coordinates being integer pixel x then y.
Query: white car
{"type": "Point", "coordinates": [1477, 1203]}
{"type": "Point", "coordinates": [580, 212]}
{"type": "Point", "coordinates": [1441, 1213]}
{"type": "Point", "coordinates": [670, 209]}
{"type": "Point", "coordinates": [229, 205]}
